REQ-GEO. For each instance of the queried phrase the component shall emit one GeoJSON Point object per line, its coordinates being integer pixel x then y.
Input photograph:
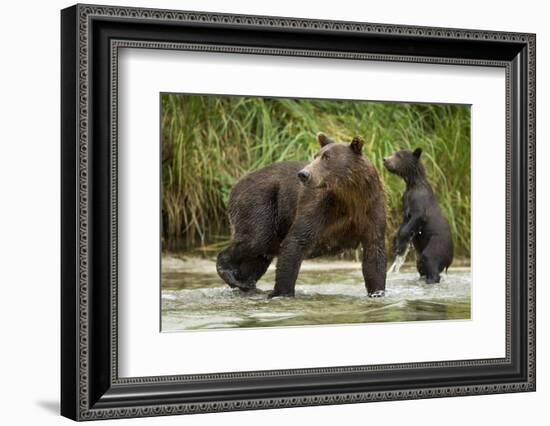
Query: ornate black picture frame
{"type": "Point", "coordinates": [90, 386]}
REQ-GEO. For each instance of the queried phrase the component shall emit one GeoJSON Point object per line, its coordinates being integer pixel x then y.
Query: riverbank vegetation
{"type": "Point", "coordinates": [209, 142]}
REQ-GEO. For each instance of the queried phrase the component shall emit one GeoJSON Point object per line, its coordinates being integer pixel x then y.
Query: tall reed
{"type": "Point", "coordinates": [209, 142]}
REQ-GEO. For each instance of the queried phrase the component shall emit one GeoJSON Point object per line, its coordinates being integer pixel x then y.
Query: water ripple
{"type": "Point", "coordinates": [195, 300]}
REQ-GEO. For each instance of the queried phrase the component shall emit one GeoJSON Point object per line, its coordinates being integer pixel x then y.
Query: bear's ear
{"type": "Point", "coordinates": [417, 152]}
{"type": "Point", "coordinates": [323, 139]}
{"type": "Point", "coordinates": [357, 144]}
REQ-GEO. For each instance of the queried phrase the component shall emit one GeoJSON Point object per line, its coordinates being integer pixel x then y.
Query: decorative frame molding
{"type": "Point", "coordinates": [91, 388]}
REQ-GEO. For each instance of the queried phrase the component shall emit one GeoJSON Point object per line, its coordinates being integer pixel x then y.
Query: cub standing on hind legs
{"type": "Point", "coordinates": [423, 221]}
{"type": "Point", "coordinates": [295, 210]}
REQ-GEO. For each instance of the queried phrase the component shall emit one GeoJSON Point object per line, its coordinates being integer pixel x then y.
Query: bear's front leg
{"type": "Point", "coordinates": [288, 266]}
{"type": "Point", "coordinates": [290, 258]}
{"type": "Point", "coordinates": [374, 268]}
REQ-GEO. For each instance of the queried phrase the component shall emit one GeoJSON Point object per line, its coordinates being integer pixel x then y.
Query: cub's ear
{"type": "Point", "coordinates": [323, 139]}
{"type": "Point", "coordinates": [417, 152]}
{"type": "Point", "coordinates": [357, 144]}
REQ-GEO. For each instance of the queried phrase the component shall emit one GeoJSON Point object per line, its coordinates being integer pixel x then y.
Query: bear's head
{"type": "Point", "coordinates": [404, 163]}
{"type": "Point", "coordinates": [334, 164]}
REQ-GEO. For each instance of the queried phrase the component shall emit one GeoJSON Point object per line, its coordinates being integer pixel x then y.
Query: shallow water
{"type": "Point", "coordinates": [195, 298]}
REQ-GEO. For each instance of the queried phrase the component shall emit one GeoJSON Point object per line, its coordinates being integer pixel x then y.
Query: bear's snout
{"type": "Point", "coordinates": [304, 175]}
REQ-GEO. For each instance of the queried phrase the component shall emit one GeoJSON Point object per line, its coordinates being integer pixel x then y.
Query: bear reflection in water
{"type": "Point", "coordinates": [297, 210]}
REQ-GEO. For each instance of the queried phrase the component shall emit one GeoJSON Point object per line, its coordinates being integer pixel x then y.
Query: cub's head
{"type": "Point", "coordinates": [334, 164]}
{"type": "Point", "coordinates": [404, 162]}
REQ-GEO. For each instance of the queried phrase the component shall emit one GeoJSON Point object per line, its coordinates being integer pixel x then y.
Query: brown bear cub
{"type": "Point", "coordinates": [423, 221]}
{"type": "Point", "coordinates": [295, 210]}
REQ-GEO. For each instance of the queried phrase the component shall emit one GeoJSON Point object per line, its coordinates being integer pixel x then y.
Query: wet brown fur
{"type": "Point", "coordinates": [424, 223]}
{"type": "Point", "coordinates": [273, 214]}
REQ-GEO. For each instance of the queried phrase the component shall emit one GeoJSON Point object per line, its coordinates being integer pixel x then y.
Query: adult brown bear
{"type": "Point", "coordinates": [295, 210]}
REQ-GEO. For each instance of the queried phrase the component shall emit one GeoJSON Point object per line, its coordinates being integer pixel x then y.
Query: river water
{"type": "Point", "coordinates": [327, 292]}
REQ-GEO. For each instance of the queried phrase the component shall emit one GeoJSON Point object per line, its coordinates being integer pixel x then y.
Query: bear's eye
{"type": "Point", "coordinates": [325, 157]}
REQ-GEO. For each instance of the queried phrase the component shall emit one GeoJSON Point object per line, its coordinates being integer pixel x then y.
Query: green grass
{"type": "Point", "coordinates": [209, 142]}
